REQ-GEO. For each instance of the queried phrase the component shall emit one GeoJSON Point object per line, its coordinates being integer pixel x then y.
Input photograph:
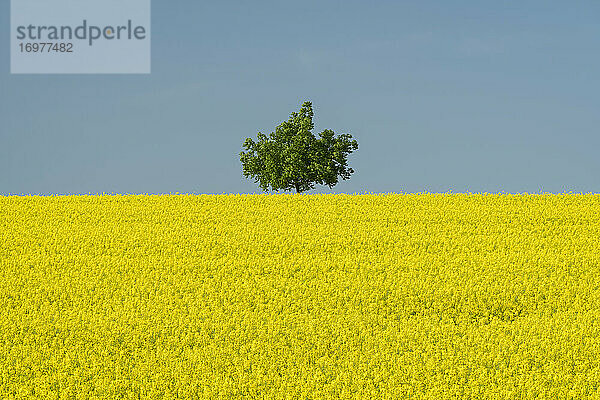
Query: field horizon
{"type": "Point", "coordinates": [500, 193]}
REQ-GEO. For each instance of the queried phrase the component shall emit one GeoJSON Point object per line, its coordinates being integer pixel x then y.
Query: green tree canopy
{"type": "Point", "coordinates": [293, 158]}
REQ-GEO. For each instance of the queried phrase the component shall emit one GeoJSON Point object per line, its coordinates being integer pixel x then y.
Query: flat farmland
{"type": "Point", "coordinates": [300, 296]}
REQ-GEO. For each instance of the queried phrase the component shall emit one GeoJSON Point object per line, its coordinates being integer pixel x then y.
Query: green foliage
{"type": "Point", "coordinates": [293, 158]}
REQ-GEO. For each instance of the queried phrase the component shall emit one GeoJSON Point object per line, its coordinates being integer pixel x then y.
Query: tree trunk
{"type": "Point", "coordinates": [297, 187]}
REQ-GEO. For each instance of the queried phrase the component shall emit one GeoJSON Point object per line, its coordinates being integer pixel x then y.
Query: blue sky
{"type": "Point", "coordinates": [480, 96]}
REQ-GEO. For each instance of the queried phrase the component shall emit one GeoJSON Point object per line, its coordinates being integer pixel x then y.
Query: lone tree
{"type": "Point", "coordinates": [293, 158]}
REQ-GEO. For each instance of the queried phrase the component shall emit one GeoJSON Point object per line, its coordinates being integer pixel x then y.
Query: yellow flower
{"type": "Point", "coordinates": [295, 296]}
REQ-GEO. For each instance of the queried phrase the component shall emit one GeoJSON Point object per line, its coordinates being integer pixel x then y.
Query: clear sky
{"type": "Point", "coordinates": [480, 96]}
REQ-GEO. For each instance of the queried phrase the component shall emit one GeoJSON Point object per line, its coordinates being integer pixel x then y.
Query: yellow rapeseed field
{"type": "Point", "coordinates": [300, 296]}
